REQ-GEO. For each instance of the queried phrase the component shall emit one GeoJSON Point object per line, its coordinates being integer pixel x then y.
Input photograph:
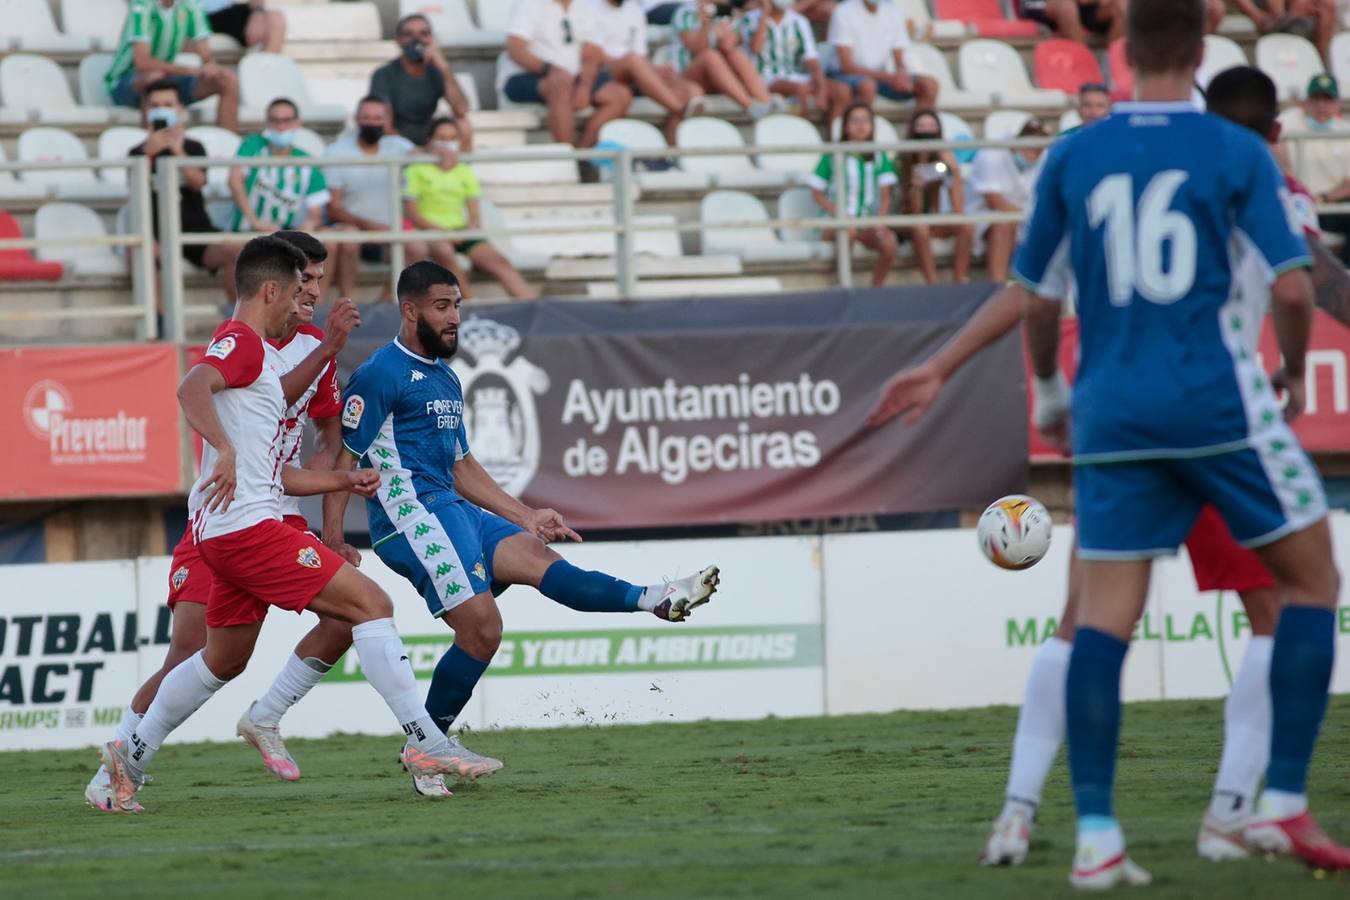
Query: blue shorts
{"type": "Point", "coordinates": [1145, 508]}
{"type": "Point", "coordinates": [883, 88]}
{"type": "Point", "coordinates": [125, 93]}
{"type": "Point", "coordinates": [448, 555]}
{"type": "Point", "coordinates": [523, 87]}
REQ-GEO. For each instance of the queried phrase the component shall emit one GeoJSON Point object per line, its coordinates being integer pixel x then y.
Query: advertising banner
{"type": "Point", "coordinates": [89, 421]}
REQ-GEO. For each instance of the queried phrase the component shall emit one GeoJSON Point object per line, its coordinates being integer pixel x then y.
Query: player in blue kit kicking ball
{"type": "Point", "coordinates": [440, 520]}
{"type": "Point", "coordinates": [1148, 214]}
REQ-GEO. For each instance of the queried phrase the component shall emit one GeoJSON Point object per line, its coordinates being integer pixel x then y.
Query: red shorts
{"type": "Point", "coordinates": [268, 564]}
{"type": "Point", "coordinates": [1218, 561]}
{"type": "Point", "coordinates": [299, 523]}
{"type": "Point", "coordinates": [189, 576]}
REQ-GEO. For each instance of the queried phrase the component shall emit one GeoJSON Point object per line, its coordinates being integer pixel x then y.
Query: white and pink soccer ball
{"type": "Point", "coordinates": [1014, 532]}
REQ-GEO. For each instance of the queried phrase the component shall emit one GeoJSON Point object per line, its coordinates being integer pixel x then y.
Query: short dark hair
{"type": "Point", "coordinates": [1164, 35]}
{"type": "Point", "coordinates": [437, 123]}
{"type": "Point", "coordinates": [263, 259]}
{"type": "Point", "coordinates": [158, 85]}
{"type": "Point", "coordinates": [1245, 96]}
{"type": "Point", "coordinates": [283, 101]}
{"type": "Point", "coordinates": [1093, 87]}
{"type": "Point", "coordinates": [373, 98]}
{"type": "Point", "coordinates": [418, 279]}
{"type": "Point", "coordinates": [306, 243]}
{"type": "Point", "coordinates": [398, 29]}
{"type": "Point", "coordinates": [1034, 127]}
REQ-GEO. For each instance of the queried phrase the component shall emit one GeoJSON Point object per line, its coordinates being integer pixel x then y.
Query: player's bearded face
{"type": "Point", "coordinates": [440, 340]}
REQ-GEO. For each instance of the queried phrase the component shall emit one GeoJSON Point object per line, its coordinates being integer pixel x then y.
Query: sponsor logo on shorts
{"type": "Point", "coordinates": [479, 571]}
{"type": "Point", "coordinates": [221, 348]}
{"type": "Point", "coordinates": [309, 558]}
{"type": "Point", "coordinates": [179, 578]}
{"type": "Point", "coordinates": [351, 413]}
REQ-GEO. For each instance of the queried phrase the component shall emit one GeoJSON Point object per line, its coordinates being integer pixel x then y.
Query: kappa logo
{"type": "Point", "coordinates": [417, 375]}
{"type": "Point", "coordinates": [179, 578]}
{"type": "Point", "coordinates": [499, 402]}
{"type": "Point", "coordinates": [309, 558]}
{"type": "Point", "coordinates": [222, 348]}
{"type": "Point", "coordinates": [351, 413]}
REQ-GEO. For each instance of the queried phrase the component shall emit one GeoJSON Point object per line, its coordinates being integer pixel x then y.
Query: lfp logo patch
{"type": "Point", "coordinates": [309, 558]}
{"type": "Point", "coordinates": [179, 578]}
{"type": "Point", "coordinates": [221, 348]}
{"type": "Point", "coordinates": [351, 413]}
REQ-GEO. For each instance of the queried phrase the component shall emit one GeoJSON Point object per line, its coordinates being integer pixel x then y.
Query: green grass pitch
{"type": "Point", "coordinates": [863, 806]}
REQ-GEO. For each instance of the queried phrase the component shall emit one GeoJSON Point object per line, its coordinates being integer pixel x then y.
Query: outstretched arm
{"type": "Point", "coordinates": [474, 484]}
{"type": "Point", "coordinates": [300, 482]}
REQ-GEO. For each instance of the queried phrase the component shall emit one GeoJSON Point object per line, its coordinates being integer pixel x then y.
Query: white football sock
{"type": "Point", "coordinates": [181, 693]}
{"type": "Point", "coordinates": [1246, 735]}
{"type": "Point", "coordinates": [385, 663]}
{"type": "Point", "coordinates": [1040, 725]}
{"type": "Point", "coordinates": [1099, 840]}
{"type": "Point", "coordinates": [130, 719]}
{"type": "Point", "coordinates": [292, 683]}
{"type": "Point", "coordinates": [1279, 805]}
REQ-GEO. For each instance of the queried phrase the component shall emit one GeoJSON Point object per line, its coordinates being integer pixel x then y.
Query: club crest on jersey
{"type": "Point", "coordinates": [479, 572]}
{"type": "Point", "coordinates": [309, 558]}
{"type": "Point", "coordinates": [179, 578]}
{"type": "Point", "coordinates": [351, 413]}
{"type": "Point", "coordinates": [222, 348]}
{"type": "Point", "coordinates": [499, 410]}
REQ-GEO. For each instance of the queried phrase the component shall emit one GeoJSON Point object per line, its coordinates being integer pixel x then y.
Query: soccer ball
{"type": "Point", "coordinates": [1014, 532]}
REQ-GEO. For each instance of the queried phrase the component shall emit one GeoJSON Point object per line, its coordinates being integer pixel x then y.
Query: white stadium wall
{"type": "Point", "coordinates": [801, 627]}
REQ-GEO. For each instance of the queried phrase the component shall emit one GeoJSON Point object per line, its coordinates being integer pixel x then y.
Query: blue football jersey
{"type": "Point", "coordinates": [403, 415]}
{"type": "Point", "coordinates": [1171, 224]}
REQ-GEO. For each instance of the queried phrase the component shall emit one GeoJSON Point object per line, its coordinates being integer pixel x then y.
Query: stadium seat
{"type": "Point", "coordinates": [995, 68]}
{"type": "Point", "coordinates": [797, 203]}
{"type": "Point", "coordinates": [1004, 123]}
{"type": "Point", "coordinates": [1122, 78]}
{"type": "Point", "coordinates": [639, 135]}
{"type": "Point", "coordinates": [1064, 65]}
{"type": "Point", "coordinates": [986, 18]}
{"type": "Point", "coordinates": [725, 171]}
{"type": "Point", "coordinates": [886, 132]}
{"type": "Point", "coordinates": [1070, 119]}
{"type": "Point", "coordinates": [757, 244]}
{"type": "Point", "coordinates": [955, 128]}
{"type": "Point", "coordinates": [1340, 57]}
{"type": "Point", "coordinates": [925, 59]}
{"type": "Point", "coordinates": [263, 77]}
{"type": "Point", "coordinates": [114, 143]}
{"type": "Point", "coordinates": [495, 222]}
{"type": "Point", "coordinates": [1290, 61]}
{"type": "Point", "coordinates": [783, 130]}
{"type": "Point", "coordinates": [469, 87]}
{"type": "Point", "coordinates": [13, 189]}
{"type": "Point", "coordinates": [1220, 53]}
{"type": "Point", "coordinates": [37, 84]}
{"type": "Point", "coordinates": [925, 27]}
{"type": "Point", "coordinates": [219, 142]}
{"type": "Point", "coordinates": [545, 171]}
{"type": "Point", "coordinates": [493, 15]}
{"type": "Point", "coordinates": [28, 25]}
{"type": "Point", "coordinates": [19, 264]}
{"type": "Point", "coordinates": [309, 140]}
{"type": "Point", "coordinates": [326, 22]}
{"type": "Point", "coordinates": [451, 23]}
{"type": "Point", "coordinates": [43, 144]}
{"type": "Point", "coordinates": [98, 21]}
{"type": "Point", "coordinates": [1237, 25]}
{"type": "Point", "coordinates": [69, 220]}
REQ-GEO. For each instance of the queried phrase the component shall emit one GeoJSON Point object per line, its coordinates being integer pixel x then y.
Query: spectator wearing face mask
{"type": "Point", "coordinates": [1323, 165]}
{"type": "Point", "coordinates": [868, 180]}
{"type": "Point", "coordinates": [277, 198]}
{"type": "Point", "coordinates": [416, 82]}
{"type": "Point", "coordinates": [1003, 180]}
{"type": "Point", "coordinates": [931, 183]}
{"type": "Point", "coordinates": [444, 196]}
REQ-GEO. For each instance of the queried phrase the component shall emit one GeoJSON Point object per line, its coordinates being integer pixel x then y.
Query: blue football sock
{"type": "Point", "coordinates": [1093, 718]}
{"type": "Point", "coordinates": [1300, 674]}
{"type": "Point", "coordinates": [452, 686]}
{"type": "Point", "coordinates": [588, 591]}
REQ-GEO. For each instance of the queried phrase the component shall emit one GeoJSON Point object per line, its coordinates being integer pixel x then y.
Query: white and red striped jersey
{"type": "Point", "coordinates": [321, 400]}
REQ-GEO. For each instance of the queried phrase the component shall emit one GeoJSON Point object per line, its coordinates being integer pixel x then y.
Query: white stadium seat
{"type": "Point", "coordinates": [115, 143]}
{"type": "Point", "coordinates": [1070, 119]}
{"type": "Point", "coordinates": [797, 203]}
{"type": "Point", "coordinates": [99, 21]}
{"type": "Point", "coordinates": [955, 128]}
{"type": "Point", "coordinates": [71, 220]}
{"type": "Point", "coordinates": [37, 84]}
{"type": "Point", "coordinates": [995, 68]}
{"type": "Point", "coordinates": [638, 135]}
{"type": "Point", "coordinates": [916, 11]}
{"type": "Point", "coordinates": [93, 87]}
{"type": "Point", "coordinates": [545, 171]}
{"type": "Point", "coordinates": [13, 189]}
{"type": "Point", "coordinates": [219, 143]}
{"type": "Point", "coordinates": [468, 86]}
{"type": "Point", "coordinates": [263, 77]}
{"type": "Point", "coordinates": [1290, 61]}
{"type": "Point", "coordinates": [726, 171]}
{"type": "Point", "coordinates": [760, 244]}
{"type": "Point", "coordinates": [1340, 57]}
{"type": "Point", "coordinates": [1220, 53]}
{"type": "Point", "coordinates": [495, 222]}
{"type": "Point", "coordinates": [28, 25]}
{"type": "Point", "coordinates": [780, 131]}
{"type": "Point", "coordinates": [1005, 123]}
{"type": "Point", "coordinates": [451, 23]}
{"type": "Point", "coordinates": [924, 59]}
{"type": "Point", "coordinates": [493, 15]}
{"type": "Point", "coordinates": [1237, 24]}
{"type": "Point", "coordinates": [327, 22]}
{"type": "Point", "coordinates": [47, 144]}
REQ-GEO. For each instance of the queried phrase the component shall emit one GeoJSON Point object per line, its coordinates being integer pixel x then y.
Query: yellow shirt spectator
{"type": "Point", "coordinates": [442, 195]}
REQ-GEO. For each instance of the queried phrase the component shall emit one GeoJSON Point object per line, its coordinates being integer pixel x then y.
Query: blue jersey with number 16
{"type": "Point", "coordinates": [1171, 224]}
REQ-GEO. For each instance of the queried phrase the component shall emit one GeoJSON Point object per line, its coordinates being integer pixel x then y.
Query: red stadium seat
{"type": "Point", "coordinates": [1064, 65]}
{"type": "Point", "coordinates": [985, 18]}
{"type": "Point", "coordinates": [1122, 79]}
{"type": "Point", "coordinates": [19, 265]}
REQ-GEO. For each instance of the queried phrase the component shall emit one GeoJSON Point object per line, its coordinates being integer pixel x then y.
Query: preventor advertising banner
{"type": "Point", "coordinates": [729, 410]}
{"type": "Point", "coordinates": [89, 421]}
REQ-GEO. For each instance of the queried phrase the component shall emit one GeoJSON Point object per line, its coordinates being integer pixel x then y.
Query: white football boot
{"type": "Point", "coordinates": [683, 595]}
{"type": "Point", "coordinates": [1009, 840]}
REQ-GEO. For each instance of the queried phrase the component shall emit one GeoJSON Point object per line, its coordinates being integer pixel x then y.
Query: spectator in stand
{"type": "Point", "coordinates": [1003, 180]}
{"type": "Point", "coordinates": [163, 115]}
{"type": "Point", "coordinates": [445, 196]}
{"type": "Point", "coordinates": [1077, 20]}
{"type": "Point", "coordinates": [1312, 19]}
{"type": "Point", "coordinates": [416, 82]}
{"type": "Point", "coordinates": [277, 198]}
{"type": "Point", "coordinates": [248, 22]}
{"type": "Point", "coordinates": [1094, 103]}
{"type": "Point", "coordinates": [1323, 165]}
{"type": "Point", "coordinates": [708, 52]}
{"type": "Point", "coordinates": [932, 183]}
{"type": "Point", "coordinates": [154, 33]}
{"type": "Point", "coordinates": [621, 34]}
{"type": "Point", "coordinates": [552, 58]}
{"type": "Point", "coordinates": [359, 195]}
{"type": "Point", "coordinates": [870, 38]}
{"type": "Point", "coordinates": [784, 49]}
{"type": "Point", "coordinates": [868, 179]}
